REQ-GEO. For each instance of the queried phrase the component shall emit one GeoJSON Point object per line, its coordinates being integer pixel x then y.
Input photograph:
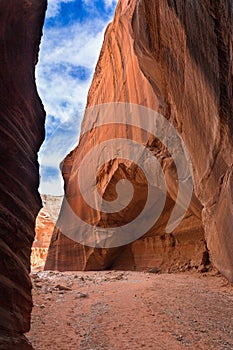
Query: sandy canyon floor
{"type": "Point", "coordinates": [115, 310]}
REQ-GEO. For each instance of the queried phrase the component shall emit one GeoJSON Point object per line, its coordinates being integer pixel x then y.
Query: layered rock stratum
{"type": "Point", "coordinates": [174, 57]}
{"type": "Point", "coordinates": [22, 132]}
{"type": "Point", "coordinates": [45, 223]}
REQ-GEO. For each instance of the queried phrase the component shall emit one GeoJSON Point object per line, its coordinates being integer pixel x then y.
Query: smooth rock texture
{"type": "Point", "coordinates": [21, 134]}
{"type": "Point", "coordinates": [174, 57]}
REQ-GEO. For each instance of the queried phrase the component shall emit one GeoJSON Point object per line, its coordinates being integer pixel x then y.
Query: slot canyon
{"type": "Point", "coordinates": [163, 290]}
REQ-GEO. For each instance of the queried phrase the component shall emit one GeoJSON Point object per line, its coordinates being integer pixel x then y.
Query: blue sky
{"type": "Point", "coordinates": [71, 43]}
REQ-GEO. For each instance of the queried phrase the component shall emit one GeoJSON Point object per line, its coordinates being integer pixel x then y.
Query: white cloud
{"type": "Point", "coordinates": [107, 3]}
{"type": "Point", "coordinates": [54, 7]}
{"type": "Point", "coordinates": [77, 45]}
{"type": "Point", "coordinates": [59, 144]}
{"type": "Point", "coordinates": [52, 186]}
{"type": "Point", "coordinates": [110, 3]}
{"type": "Point", "coordinates": [62, 87]}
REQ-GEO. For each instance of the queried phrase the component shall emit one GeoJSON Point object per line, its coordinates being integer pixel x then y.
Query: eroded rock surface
{"type": "Point", "coordinates": [45, 223]}
{"type": "Point", "coordinates": [174, 57]}
{"type": "Point", "coordinates": [21, 134]}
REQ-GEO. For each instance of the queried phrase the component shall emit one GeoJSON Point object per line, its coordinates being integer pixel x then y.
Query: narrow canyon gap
{"type": "Point", "coordinates": [22, 119]}
{"type": "Point", "coordinates": [174, 57]}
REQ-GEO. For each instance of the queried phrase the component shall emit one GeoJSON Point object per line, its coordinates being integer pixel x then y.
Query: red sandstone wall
{"type": "Point", "coordinates": [176, 58]}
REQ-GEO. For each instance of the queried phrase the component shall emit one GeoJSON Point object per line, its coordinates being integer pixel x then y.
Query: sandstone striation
{"type": "Point", "coordinates": [174, 57]}
{"type": "Point", "coordinates": [22, 132]}
{"type": "Point", "coordinates": [45, 223]}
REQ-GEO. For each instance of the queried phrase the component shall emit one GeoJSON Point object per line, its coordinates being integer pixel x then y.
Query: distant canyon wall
{"type": "Point", "coordinates": [45, 223]}
{"type": "Point", "coordinates": [22, 132]}
{"type": "Point", "coordinates": [175, 57]}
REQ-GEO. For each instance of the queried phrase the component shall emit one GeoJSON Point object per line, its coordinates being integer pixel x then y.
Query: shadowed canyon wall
{"type": "Point", "coordinates": [175, 57]}
{"type": "Point", "coordinates": [22, 132]}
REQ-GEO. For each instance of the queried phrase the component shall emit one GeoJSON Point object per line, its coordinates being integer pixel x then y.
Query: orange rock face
{"type": "Point", "coordinates": [22, 132]}
{"type": "Point", "coordinates": [174, 57]}
{"type": "Point", "coordinates": [45, 223]}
